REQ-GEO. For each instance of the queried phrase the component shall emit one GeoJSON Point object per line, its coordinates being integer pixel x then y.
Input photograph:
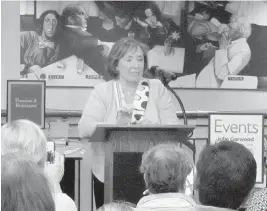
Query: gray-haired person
{"type": "Point", "coordinates": [165, 168]}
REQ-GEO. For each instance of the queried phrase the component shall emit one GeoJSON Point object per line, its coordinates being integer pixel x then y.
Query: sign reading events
{"type": "Point", "coordinates": [26, 100]}
{"type": "Point", "coordinates": [246, 129]}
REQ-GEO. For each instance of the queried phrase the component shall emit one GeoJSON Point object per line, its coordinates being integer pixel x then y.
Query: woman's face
{"type": "Point", "coordinates": [50, 25]}
{"type": "Point", "coordinates": [131, 66]}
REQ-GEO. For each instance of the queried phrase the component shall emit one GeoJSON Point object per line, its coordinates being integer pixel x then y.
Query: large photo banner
{"type": "Point", "coordinates": [197, 44]}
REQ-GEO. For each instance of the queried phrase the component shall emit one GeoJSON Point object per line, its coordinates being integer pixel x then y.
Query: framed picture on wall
{"type": "Point", "coordinates": [193, 41]}
{"type": "Point", "coordinates": [26, 100]}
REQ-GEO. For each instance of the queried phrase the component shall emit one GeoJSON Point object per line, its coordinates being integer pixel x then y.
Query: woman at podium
{"type": "Point", "coordinates": [128, 98]}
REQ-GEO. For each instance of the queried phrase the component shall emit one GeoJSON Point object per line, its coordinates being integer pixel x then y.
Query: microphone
{"type": "Point", "coordinates": [165, 78]}
{"type": "Point", "coordinates": [163, 75]}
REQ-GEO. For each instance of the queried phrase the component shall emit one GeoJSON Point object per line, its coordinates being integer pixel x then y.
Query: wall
{"type": "Point", "coordinates": [10, 58]}
{"type": "Point", "coordinates": [75, 98]}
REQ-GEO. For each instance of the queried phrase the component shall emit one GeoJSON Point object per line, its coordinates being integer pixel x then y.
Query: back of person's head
{"type": "Point", "coordinates": [165, 168]}
{"type": "Point", "coordinates": [24, 185]}
{"type": "Point", "coordinates": [226, 173]}
{"type": "Point", "coordinates": [116, 206]}
{"type": "Point", "coordinates": [24, 136]}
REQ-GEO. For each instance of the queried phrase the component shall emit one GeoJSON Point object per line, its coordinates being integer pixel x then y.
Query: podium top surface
{"type": "Point", "coordinates": [103, 129]}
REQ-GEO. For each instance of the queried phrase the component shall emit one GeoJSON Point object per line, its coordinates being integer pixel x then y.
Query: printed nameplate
{"type": "Point", "coordinates": [55, 76]}
{"type": "Point", "coordinates": [93, 76]}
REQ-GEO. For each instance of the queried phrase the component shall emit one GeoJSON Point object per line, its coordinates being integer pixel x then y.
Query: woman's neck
{"type": "Point", "coordinates": [128, 84]}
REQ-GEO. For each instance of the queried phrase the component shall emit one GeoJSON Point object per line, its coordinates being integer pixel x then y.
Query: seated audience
{"type": "Point", "coordinates": [258, 202]}
{"type": "Point", "coordinates": [165, 168]}
{"type": "Point", "coordinates": [133, 99]}
{"type": "Point", "coordinates": [40, 48]}
{"type": "Point", "coordinates": [26, 137]}
{"type": "Point", "coordinates": [115, 206]}
{"type": "Point", "coordinates": [226, 174]}
{"type": "Point", "coordinates": [24, 185]}
{"type": "Point", "coordinates": [75, 40]}
{"type": "Point", "coordinates": [233, 55]}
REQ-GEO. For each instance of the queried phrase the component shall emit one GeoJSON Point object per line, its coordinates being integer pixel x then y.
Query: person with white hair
{"type": "Point", "coordinates": [166, 168]}
{"type": "Point", "coordinates": [25, 137]}
{"type": "Point", "coordinates": [232, 56]}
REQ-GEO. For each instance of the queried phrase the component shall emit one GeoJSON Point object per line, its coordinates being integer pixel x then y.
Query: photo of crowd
{"type": "Point", "coordinates": [222, 47]}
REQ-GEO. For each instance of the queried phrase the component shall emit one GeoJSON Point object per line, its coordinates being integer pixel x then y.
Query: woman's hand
{"type": "Point", "coordinates": [147, 122]}
{"type": "Point", "coordinates": [222, 28]}
{"type": "Point", "coordinates": [55, 171]}
{"type": "Point", "coordinates": [225, 40]}
{"type": "Point", "coordinates": [203, 47]}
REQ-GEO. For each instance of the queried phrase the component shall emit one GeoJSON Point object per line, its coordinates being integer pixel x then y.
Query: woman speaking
{"type": "Point", "coordinates": [126, 99]}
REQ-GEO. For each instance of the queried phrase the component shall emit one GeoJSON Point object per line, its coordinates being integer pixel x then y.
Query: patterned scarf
{"type": "Point", "coordinates": [139, 103]}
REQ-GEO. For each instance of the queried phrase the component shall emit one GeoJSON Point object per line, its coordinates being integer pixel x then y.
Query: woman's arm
{"type": "Point", "coordinates": [166, 109]}
{"type": "Point", "coordinates": [93, 114]}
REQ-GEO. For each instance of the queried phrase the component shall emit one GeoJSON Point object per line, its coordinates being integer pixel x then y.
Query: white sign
{"type": "Point", "coordinates": [246, 129]}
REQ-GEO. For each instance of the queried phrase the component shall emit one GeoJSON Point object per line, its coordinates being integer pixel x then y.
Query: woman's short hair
{"type": "Point", "coordinates": [26, 137]}
{"type": "Point", "coordinates": [116, 206]}
{"type": "Point", "coordinates": [165, 168]}
{"type": "Point", "coordinates": [119, 50]}
{"type": "Point", "coordinates": [242, 25]}
{"type": "Point", "coordinates": [24, 185]}
{"type": "Point", "coordinates": [40, 23]}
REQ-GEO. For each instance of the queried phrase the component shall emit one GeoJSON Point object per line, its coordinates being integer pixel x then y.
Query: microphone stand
{"type": "Point", "coordinates": [165, 82]}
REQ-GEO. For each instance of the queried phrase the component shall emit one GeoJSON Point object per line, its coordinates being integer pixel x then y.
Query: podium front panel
{"type": "Point", "coordinates": [134, 142]}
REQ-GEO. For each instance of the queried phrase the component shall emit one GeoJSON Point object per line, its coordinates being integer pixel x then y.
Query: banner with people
{"type": "Point", "coordinates": [202, 44]}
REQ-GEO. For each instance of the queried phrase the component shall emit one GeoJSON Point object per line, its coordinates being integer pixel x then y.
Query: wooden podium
{"type": "Point", "coordinates": [133, 138]}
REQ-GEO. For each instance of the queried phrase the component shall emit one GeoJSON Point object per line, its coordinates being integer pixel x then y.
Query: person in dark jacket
{"type": "Point", "coordinates": [122, 15]}
{"type": "Point", "coordinates": [77, 41]}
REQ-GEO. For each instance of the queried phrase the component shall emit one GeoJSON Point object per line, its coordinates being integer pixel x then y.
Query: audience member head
{"type": "Point", "coordinates": [49, 25]}
{"type": "Point", "coordinates": [239, 27]}
{"type": "Point", "coordinates": [74, 15]}
{"type": "Point", "coordinates": [24, 185]}
{"type": "Point", "coordinates": [226, 173]}
{"type": "Point", "coordinates": [127, 59]}
{"type": "Point", "coordinates": [116, 206]}
{"type": "Point", "coordinates": [165, 168]}
{"type": "Point", "coordinates": [24, 136]}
